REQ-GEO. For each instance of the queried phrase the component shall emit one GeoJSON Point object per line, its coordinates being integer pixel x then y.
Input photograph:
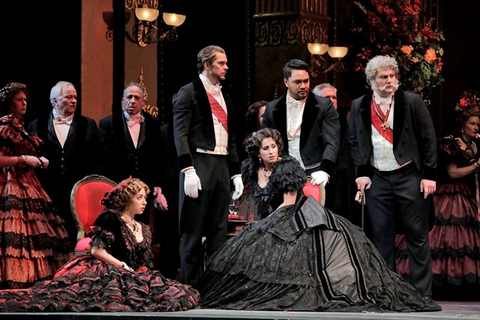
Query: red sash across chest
{"type": "Point", "coordinates": [379, 121]}
{"type": "Point", "coordinates": [218, 111]}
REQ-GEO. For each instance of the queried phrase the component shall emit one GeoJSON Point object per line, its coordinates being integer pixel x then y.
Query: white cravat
{"type": "Point", "coordinates": [294, 125]}
{"type": "Point", "coordinates": [221, 135]}
{"type": "Point", "coordinates": [61, 125]}
{"type": "Point", "coordinates": [384, 103]}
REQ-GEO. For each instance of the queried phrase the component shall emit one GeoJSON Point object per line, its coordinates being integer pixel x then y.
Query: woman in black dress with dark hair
{"type": "Point", "coordinates": [302, 257]}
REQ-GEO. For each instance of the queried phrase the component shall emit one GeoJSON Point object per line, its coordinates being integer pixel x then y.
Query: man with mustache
{"type": "Point", "coordinates": [309, 124]}
{"type": "Point", "coordinates": [393, 146]}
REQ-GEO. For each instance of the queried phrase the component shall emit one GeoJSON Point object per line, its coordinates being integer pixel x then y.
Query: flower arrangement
{"type": "Point", "coordinates": [395, 28]}
{"type": "Point", "coordinates": [468, 99]}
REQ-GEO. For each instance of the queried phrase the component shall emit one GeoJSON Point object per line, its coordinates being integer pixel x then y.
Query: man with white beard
{"type": "Point", "coordinates": [393, 146]}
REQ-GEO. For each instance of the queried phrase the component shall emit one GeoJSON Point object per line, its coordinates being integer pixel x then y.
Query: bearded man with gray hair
{"type": "Point", "coordinates": [393, 145]}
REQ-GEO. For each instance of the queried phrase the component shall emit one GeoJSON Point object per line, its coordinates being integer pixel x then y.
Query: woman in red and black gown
{"type": "Point", "coordinates": [455, 237]}
{"type": "Point", "coordinates": [33, 240]}
{"type": "Point", "coordinates": [118, 275]}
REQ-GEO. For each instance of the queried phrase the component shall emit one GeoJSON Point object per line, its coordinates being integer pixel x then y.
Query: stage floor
{"type": "Point", "coordinates": [451, 310]}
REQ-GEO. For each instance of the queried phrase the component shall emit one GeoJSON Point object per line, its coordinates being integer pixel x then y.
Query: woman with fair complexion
{"type": "Point", "coordinates": [454, 268]}
{"type": "Point", "coordinates": [118, 276]}
{"type": "Point", "coordinates": [269, 155]}
{"type": "Point", "coordinates": [136, 206]}
{"type": "Point", "coordinates": [27, 210]}
{"type": "Point", "coordinates": [263, 148]}
{"type": "Point", "coordinates": [302, 257]}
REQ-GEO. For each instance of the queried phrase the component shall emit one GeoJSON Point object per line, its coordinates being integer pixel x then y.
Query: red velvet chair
{"type": "Point", "coordinates": [85, 204]}
{"type": "Point", "coordinates": [317, 191]}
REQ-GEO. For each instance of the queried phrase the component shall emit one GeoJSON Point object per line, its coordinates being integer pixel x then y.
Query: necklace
{"type": "Point", "coordinates": [381, 115]}
{"type": "Point", "coordinates": [468, 145]}
{"type": "Point", "coordinates": [131, 224]}
{"type": "Point", "coordinates": [265, 173]}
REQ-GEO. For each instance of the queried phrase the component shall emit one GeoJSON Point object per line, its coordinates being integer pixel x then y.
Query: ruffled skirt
{"type": "Point", "coordinates": [34, 242]}
{"type": "Point", "coordinates": [454, 238]}
{"type": "Point", "coordinates": [87, 284]}
{"type": "Point", "coordinates": [305, 260]}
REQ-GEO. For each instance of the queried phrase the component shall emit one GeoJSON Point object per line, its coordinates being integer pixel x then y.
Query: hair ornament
{"type": "Point", "coordinates": [109, 195]}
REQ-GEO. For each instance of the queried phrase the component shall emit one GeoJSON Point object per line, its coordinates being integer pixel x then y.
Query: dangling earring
{"type": "Point", "coordinates": [259, 159]}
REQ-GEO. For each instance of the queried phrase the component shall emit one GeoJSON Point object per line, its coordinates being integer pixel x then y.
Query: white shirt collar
{"type": "Point", "coordinates": [383, 101]}
{"type": "Point", "coordinates": [211, 88]}
{"type": "Point", "coordinates": [291, 102]}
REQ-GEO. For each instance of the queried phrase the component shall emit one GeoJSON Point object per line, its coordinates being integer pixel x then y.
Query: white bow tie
{"type": "Point", "coordinates": [63, 120]}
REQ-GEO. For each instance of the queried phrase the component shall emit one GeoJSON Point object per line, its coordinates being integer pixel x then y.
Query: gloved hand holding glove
{"type": "Point", "coordinates": [238, 183]}
{"type": "Point", "coordinates": [320, 177]}
{"type": "Point", "coordinates": [192, 183]}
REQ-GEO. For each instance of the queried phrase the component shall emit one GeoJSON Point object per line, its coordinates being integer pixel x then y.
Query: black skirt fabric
{"type": "Point", "coordinates": [305, 258]}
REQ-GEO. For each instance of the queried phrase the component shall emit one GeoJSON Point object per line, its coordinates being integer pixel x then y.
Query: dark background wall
{"type": "Point", "coordinates": [40, 48]}
{"type": "Point", "coordinates": [44, 46]}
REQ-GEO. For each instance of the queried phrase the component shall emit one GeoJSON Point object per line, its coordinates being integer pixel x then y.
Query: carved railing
{"type": "Point", "coordinates": [280, 22]}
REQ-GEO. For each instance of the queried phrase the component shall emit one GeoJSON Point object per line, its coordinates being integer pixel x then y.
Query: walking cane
{"type": "Point", "coordinates": [363, 212]}
{"type": "Point", "coordinates": [361, 201]}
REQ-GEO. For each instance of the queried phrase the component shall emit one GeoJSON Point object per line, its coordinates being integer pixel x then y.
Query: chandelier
{"type": "Point", "coordinates": [319, 63]}
{"type": "Point", "coordinates": [145, 30]}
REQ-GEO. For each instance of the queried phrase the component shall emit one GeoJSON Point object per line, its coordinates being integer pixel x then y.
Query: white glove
{"type": "Point", "coordinates": [126, 267]}
{"type": "Point", "coordinates": [320, 177]}
{"type": "Point", "coordinates": [238, 183]}
{"type": "Point", "coordinates": [192, 184]}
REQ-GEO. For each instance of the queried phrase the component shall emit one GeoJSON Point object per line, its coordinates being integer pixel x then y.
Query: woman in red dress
{"type": "Point", "coordinates": [33, 242]}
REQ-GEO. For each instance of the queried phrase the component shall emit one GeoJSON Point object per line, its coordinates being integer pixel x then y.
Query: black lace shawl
{"type": "Point", "coordinates": [287, 175]}
{"type": "Point", "coordinates": [111, 233]}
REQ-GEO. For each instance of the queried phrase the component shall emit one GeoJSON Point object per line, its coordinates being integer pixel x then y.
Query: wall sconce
{"type": "Point", "coordinates": [145, 31]}
{"type": "Point", "coordinates": [318, 64]}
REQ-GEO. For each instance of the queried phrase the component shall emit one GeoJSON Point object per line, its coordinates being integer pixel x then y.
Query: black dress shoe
{"type": "Point", "coordinates": [430, 305]}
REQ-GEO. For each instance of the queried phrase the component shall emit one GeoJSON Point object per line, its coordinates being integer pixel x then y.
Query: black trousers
{"type": "Point", "coordinates": [203, 217]}
{"type": "Point", "coordinates": [395, 196]}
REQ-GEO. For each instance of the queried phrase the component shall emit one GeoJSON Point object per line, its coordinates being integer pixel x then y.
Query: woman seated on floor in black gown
{"type": "Point", "coordinates": [302, 257]}
{"type": "Point", "coordinates": [118, 274]}
{"type": "Point", "coordinates": [264, 148]}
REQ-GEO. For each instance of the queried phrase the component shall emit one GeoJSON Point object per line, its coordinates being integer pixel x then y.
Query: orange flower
{"type": "Point", "coordinates": [401, 29]}
{"type": "Point", "coordinates": [406, 50]}
{"type": "Point", "coordinates": [430, 55]}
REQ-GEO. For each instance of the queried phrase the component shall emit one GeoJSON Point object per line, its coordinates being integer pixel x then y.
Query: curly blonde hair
{"type": "Point", "coordinates": [121, 196]}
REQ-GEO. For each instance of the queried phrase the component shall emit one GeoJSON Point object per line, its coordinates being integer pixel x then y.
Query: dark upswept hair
{"type": "Point", "coordinates": [294, 64]}
{"type": "Point", "coordinates": [121, 196]}
{"type": "Point", "coordinates": [463, 117]}
{"type": "Point", "coordinates": [8, 92]}
{"type": "Point", "coordinates": [251, 117]}
{"type": "Point", "coordinates": [208, 55]}
{"type": "Point", "coordinates": [254, 142]}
